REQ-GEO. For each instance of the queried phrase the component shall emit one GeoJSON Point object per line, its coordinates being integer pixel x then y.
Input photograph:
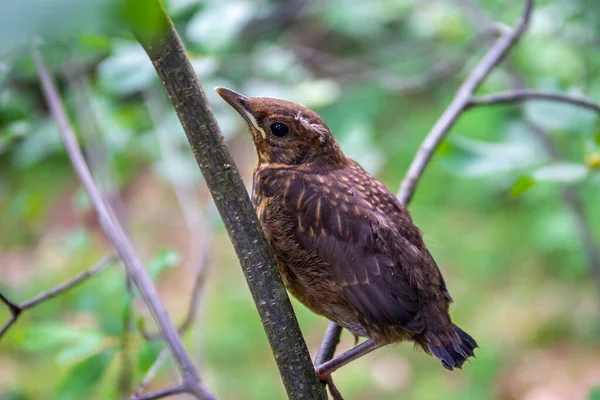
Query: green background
{"type": "Point", "coordinates": [380, 73]}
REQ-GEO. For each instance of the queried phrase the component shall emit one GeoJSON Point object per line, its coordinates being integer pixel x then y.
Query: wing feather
{"type": "Point", "coordinates": [372, 281]}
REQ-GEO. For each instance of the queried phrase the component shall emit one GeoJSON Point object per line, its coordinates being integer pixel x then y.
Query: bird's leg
{"type": "Point", "coordinates": [324, 370]}
{"type": "Point", "coordinates": [335, 394]}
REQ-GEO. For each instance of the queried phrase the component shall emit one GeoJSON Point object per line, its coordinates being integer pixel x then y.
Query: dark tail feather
{"type": "Point", "coordinates": [451, 349]}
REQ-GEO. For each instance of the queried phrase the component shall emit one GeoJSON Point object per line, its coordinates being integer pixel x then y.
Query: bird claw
{"type": "Point", "coordinates": [333, 391]}
{"type": "Point", "coordinates": [325, 376]}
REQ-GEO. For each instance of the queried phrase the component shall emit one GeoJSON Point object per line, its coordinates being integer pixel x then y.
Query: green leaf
{"type": "Point", "coordinates": [86, 346]}
{"type": "Point", "coordinates": [555, 116]}
{"type": "Point", "coordinates": [92, 42]}
{"type": "Point", "coordinates": [148, 353]}
{"type": "Point", "coordinates": [594, 394]}
{"type": "Point", "coordinates": [165, 259]}
{"type": "Point", "coordinates": [597, 139]}
{"type": "Point", "coordinates": [51, 20]}
{"type": "Point", "coordinates": [523, 184]}
{"type": "Point", "coordinates": [493, 158]}
{"type": "Point", "coordinates": [141, 323]}
{"type": "Point", "coordinates": [561, 172]}
{"type": "Point", "coordinates": [127, 70]}
{"type": "Point", "coordinates": [84, 376]}
{"type": "Point", "coordinates": [48, 336]}
{"type": "Point", "coordinates": [143, 17]}
{"type": "Point", "coordinates": [219, 23]}
{"type": "Point", "coordinates": [41, 140]}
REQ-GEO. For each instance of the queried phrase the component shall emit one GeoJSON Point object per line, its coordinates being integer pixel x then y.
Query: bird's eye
{"type": "Point", "coordinates": [278, 129]}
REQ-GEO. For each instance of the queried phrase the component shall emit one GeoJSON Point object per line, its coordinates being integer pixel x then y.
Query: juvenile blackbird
{"type": "Point", "coordinates": [345, 246]}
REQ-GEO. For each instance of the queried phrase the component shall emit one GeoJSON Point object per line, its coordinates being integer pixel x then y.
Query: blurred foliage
{"type": "Point", "coordinates": [380, 73]}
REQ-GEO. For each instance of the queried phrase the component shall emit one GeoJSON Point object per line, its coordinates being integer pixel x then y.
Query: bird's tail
{"type": "Point", "coordinates": [452, 349]}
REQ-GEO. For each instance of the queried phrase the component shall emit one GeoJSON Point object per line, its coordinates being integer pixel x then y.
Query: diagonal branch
{"type": "Point", "coordinates": [570, 194]}
{"type": "Point", "coordinates": [117, 236]}
{"type": "Point", "coordinates": [159, 394]}
{"type": "Point", "coordinates": [151, 373]}
{"type": "Point", "coordinates": [459, 104]}
{"type": "Point", "coordinates": [521, 95]}
{"type": "Point", "coordinates": [17, 309]}
{"type": "Point", "coordinates": [194, 302]}
{"type": "Point", "coordinates": [231, 198]}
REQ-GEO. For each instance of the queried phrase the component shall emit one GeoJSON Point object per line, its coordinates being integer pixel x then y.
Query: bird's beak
{"type": "Point", "coordinates": [239, 103]}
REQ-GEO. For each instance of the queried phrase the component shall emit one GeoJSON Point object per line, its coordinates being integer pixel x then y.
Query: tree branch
{"type": "Point", "coordinates": [490, 60]}
{"type": "Point", "coordinates": [459, 104]}
{"type": "Point", "coordinates": [513, 96]}
{"type": "Point", "coordinates": [329, 343]}
{"type": "Point", "coordinates": [570, 194]}
{"type": "Point", "coordinates": [17, 309]}
{"type": "Point", "coordinates": [231, 198]}
{"type": "Point", "coordinates": [199, 224]}
{"type": "Point", "coordinates": [117, 236]}
{"type": "Point", "coordinates": [151, 373]}
{"type": "Point", "coordinates": [159, 394]}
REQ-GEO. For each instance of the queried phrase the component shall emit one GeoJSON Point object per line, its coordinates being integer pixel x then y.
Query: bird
{"type": "Point", "coordinates": [345, 246]}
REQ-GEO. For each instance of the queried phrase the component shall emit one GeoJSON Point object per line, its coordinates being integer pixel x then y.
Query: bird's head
{"type": "Point", "coordinates": [285, 132]}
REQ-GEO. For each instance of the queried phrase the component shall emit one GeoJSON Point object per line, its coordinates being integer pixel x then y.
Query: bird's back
{"type": "Point", "coordinates": [341, 237]}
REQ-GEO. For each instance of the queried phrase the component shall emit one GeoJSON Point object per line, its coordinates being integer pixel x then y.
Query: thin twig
{"type": "Point", "coordinates": [17, 309]}
{"type": "Point", "coordinates": [159, 394]}
{"type": "Point", "coordinates": [96, 153]}
{"type": "Point", "coordinates": [329, 343]}
{"type": "Point", "coordinates": [490, 60]}
{"type": "Point", "coordinates": [151, 373]}
{"type": "Point", "coordinates": [197, 223]}
{"type": "Point", "coordinates": [514, 96]}
{"type": "Point", "coordinates": [117, 236]}
{"type": "Point", "coordinates": [459, 104]}
{"type": "Point", "coordinates": [570, 194]}
{"type": "Point", "coordinates": [239, 217]}
{"type": "Point", "coordinates": [195, 293]}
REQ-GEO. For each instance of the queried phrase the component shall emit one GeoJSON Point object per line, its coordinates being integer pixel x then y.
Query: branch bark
{"type": "Point", "coordinates": [117, 236]}
{"type": "Point", "coordinates": [231, 198]}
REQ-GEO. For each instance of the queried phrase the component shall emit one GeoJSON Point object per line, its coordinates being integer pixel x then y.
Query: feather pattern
{"type": "Point", "coordinates": [345, 246]}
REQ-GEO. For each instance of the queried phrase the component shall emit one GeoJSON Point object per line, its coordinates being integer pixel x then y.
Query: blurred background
{"type": "Point", "coordinates": [509, 205]}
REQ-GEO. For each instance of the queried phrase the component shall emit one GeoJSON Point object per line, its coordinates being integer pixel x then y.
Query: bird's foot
{"type": "Point", "coordinates": [325, 376]}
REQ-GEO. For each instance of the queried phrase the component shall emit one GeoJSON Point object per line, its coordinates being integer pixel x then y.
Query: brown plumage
{"type": "Point", "coordinates": [345, 245]}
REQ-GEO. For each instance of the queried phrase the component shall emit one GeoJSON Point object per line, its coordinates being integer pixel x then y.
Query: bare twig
{"type": "Point", "coordinates": [159, 394]}
{"type": "Point", "coordinates": [151, 373]}
{"type": "Point", "coordinates": [490, 60]}
{"type": "Point", "coordinates": [17, 309]}
{"type": "Point", "coordinates": [96, 153]}
{"type": "Point", "coordinates": [239, 217]}
{"type": "Point", "coordinates": [459, 104]}
{"type": "Point", "coordinates": [117, 236]}
{"type": "Point", "coordinates": [570, 194]}
{"type": "Point", "coordinates": [514, 96]}
{"type": "Point", "coordinates": [195, 293]}
{"type": "Point", "coordinates": [328, 344]}
{"type": "Point", "coordinates": [197, 223]}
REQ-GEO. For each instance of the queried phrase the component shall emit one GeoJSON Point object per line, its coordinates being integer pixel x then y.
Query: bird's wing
{"type": "Point", "coordinates": [346, 238]}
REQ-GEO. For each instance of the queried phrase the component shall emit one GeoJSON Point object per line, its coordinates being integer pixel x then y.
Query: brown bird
{"type": "Point", "coordinates": [344, 244]}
